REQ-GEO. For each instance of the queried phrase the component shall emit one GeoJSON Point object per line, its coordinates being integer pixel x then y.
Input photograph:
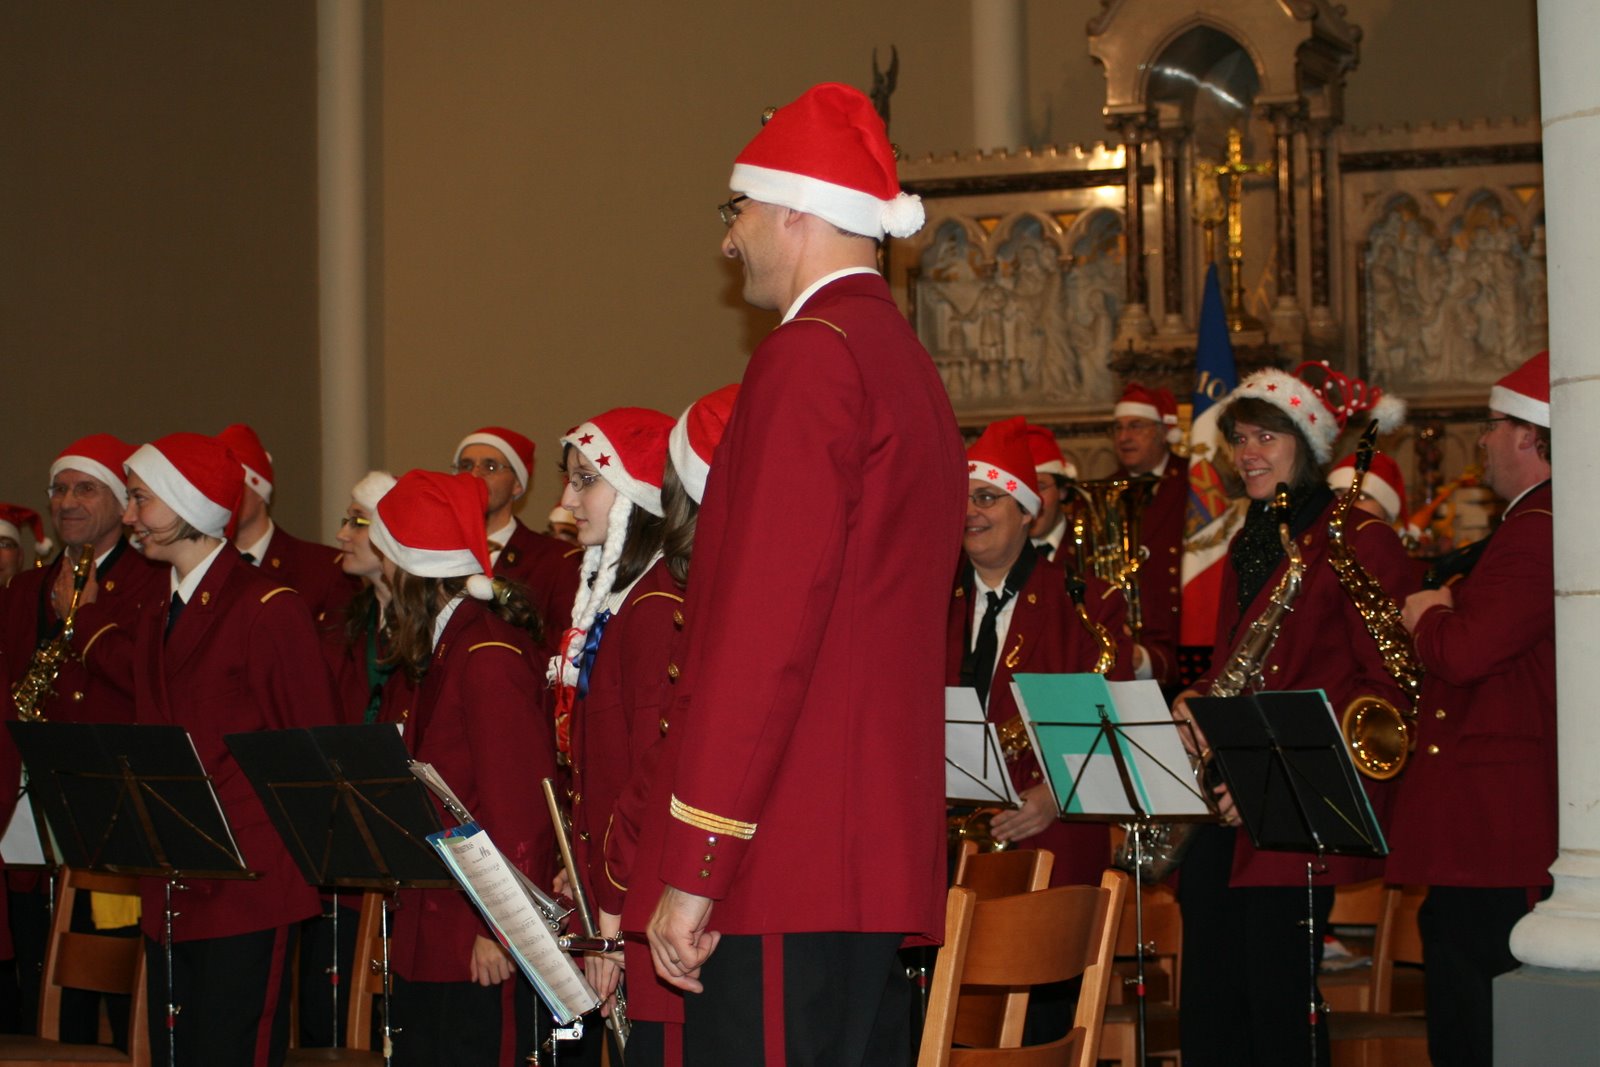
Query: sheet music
{"type": "Point", "coordinates": [20, 846]}
{"type": "Point", "coordinates": [1158, 752]}
{"type": "Point", "coordinates": [974, 768]}
{"type": "Point", "coordinates": [494, 887]}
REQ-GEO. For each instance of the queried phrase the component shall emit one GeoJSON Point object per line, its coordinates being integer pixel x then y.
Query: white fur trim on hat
{"type": "Point", "coordinates": [1007, 482]}
{"type": "Point", "coordinates": [849, 209]}
{"type": "Point", "coordinates": [495, 441]}
{"type": "Point", "coordinates": [424, 563]}
{"type": "Point", "coordinates": [599, 450]}
{"type": "Point", "coordinates": [1520, 406]}
{"type": "Point", "coordinates": [177, 492]}
{"type": "Point", "coordinates": [1376, 488]}
{"type": "Point", "coordinates": [692, 470]}
{"type": "Point", "coordinates": [96, 470]}
{"type": "Point", "coordinates": [1315, 421]}
{"type": "Point", "coordinates": [369, 490]}
{"type": "Point", "coordinates": [254, 479]}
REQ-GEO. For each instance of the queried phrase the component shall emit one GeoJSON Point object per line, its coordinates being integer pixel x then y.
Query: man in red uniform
{"type": "Point", "coordinates": [1476, 816]}
{"type": "Point", "coordinates": [1144, 426]}
{"type": "Point", "coordinates": [546, 566]}
{"type": "Point", "coordinates": [13, 518]}
{"type": "Point", "coordinates": [1054, 472]}
{"type": "Point", "coordinates": [309, 568]}
{"type": "Point", "coordinates": [803, 801]}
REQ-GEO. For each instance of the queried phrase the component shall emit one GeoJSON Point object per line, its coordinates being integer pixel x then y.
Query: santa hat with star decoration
{"type": "Point", "coordinates": [430, 524]}
{"type": "Point", "coordinates": [1320, 401]}
{"type": "Point", "coordinates": [1001, 457]}
{"type": "Point", "coordinates": [628, 447]}
{"type": "Point", "coordinates": [828, 154]}
{"type": "Point", "coordinates": [13, 517]}
{"type": "Point", "coordinates": [517, 449]}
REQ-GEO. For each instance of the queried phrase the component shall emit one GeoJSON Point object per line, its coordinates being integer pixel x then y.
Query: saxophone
{"type": "Point", "coordinates": [37, 686]}
{"type": "Point", "coordinates": [1013, 734]}
{"type": "Point", "coordinates": [1379, 735]}
{"type": "Point", "coordinates": [1166, 842]}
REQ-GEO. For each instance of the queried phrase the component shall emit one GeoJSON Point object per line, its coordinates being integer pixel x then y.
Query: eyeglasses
{"type": "Point", "coordinates": [487, 466]}
{"type": "Point", "coordinates": [984, 499]}
{"type": "Point", "coordinates": [86, 490]}
{"type": "Point", "coordinates": [580, 481]}
{"type": "Point", "coordinates": [729, 211]}
{"type": "Point", "coordinates": [358, 521]}
{"type": "Point", "coordinates": [1487, 425]}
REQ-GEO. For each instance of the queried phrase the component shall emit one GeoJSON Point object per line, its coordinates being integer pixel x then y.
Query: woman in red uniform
{"type": "Point", "coordinates": [231, 651]}
{"type": "Point", "coordinates": [1245, 960]}
{"type": "Point", "coordinates": [477, 718]}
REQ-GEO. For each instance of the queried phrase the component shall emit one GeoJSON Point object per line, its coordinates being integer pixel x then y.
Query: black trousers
{"type": "Point", "coordinates": [463, 1024]}
{"type": "Point", "coordinates": [321, 1022]}
{"type": "Point", "coordinates": [233, 997]}
{"type": "Point", "coordinates": [1246, 964]}
{"type": "Point", "coordinates": [1466, 941]}
{"type": "Point", "coordinates": [801, 1000]}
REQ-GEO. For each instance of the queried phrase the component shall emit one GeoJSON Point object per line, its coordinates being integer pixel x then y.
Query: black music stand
{"type": "Point", "coordinates": [1286, 764]}
{"type": "Point", "coordinates": [131, 800]}
{"type": "Point", "coordinates": [350, 812]}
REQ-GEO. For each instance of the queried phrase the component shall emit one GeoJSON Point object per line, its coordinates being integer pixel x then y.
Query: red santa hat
{"type": "Point", "coordinates": [100, 456]}
{"type": "Point", "coordinates": [1001, 458]}
{"type": "Point", "coordinates": [517, 449]}
{"type": "Point", "coordinates": [1320, 401]}
{"type": "Point", "coordinates": [1383, 483]}
{"type": "Point", "coordinates": [1525, 392]}
{"type": "Point", "coordinates": [695, 438]}
{"type": "Point", "coordinates": [13, 517]}
{"type": "Point", "coordinates": [1047, 455]}
{"type": "Point", "coordinates": [628, 446]}
{"type": "Point", "coordinates": [431, 525]}
{"type": "Point", "coordinates": [256, 460]}
{"type": "Point", "coordinates": [198, 477]}
{"type": "Point", "coordinates": [1158, 405]}
{"type": "Point", "coordinates": [828, 154]}
{"type": "Point", "coordinates": [370, 489]}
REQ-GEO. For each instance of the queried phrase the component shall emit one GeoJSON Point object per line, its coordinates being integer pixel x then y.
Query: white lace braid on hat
{"type": "Point", "coordinates": [599, 575]}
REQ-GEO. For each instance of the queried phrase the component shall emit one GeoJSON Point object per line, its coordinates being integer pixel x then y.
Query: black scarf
{"type": "Point", "coordinates": [1257, 550]}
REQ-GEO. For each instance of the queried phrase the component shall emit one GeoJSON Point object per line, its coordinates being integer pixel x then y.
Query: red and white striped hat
{"type": "Point", "coordinates": [1525, 392]}
{"type": "Point", "coordinates": [13, 517]}
{"type": "Point", "coordinates": [1047, 455]}
{"type": "Point", "coordinates": [517, 449]}
{"type": "Point", "coordinates": [431, 525]}
{"type": "Point", "coordinates": [628, 446]}
{"type": "Point", "coordinates": [1320, 401]}
{"type": "Point", "coordinates": [828, 154]}
{"type": "Point", "coordinates": [253, 457]}
{"type": "Point", "coordinates": [1001, 458]}
{"type": "Point", "coordinates": [1157, 405]}
{"type": "Point", "coordinates": [695, 438]}
{"type": "Point", "coordinates": [100, 456]}
{"type": "Point", "coordinates": [198, 477]}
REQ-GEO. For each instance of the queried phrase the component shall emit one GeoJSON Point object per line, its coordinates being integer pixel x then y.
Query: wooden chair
{"type": "Point", "coordinates": [1361, 904]}
{"type": "Point", "coordinates": [990, 875]}
{"type": "Point", "coordinates": [1163, 938]}
{"type": "Point", "coordinates": [1384, 1036]}
{"type": "Point", "coordinates": [96, 962]}
{"type": "Point", "coordinates": [1018, 942]}
{"type": "Point", "coordinates": [366, 984]}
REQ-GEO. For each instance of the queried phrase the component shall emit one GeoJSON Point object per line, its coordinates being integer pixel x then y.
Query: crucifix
{"type": "Point", "coordinates": [1209, 212]}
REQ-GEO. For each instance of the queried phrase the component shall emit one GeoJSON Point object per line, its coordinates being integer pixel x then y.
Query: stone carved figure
{"type": "Point", "coordinates": [1455, 313]}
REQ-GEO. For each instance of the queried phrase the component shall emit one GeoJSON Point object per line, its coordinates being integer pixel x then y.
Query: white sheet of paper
{"type": "Point", "coordinates": [20, 845]}
{"type": "Point", "coordinates": [1100, 788]}
{"type": "Point", "coordinates": [1156, 750]}
{"type": "Point", "coordinates": [974, 770]}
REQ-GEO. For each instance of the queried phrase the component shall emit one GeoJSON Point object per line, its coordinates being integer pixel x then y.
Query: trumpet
{"type": "Point", "coordinates": [37, 685]}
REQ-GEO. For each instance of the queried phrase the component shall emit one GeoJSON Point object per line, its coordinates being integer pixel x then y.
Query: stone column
{"type": "Point", "coordinates": [1287, 318]}
{"type": "Point", "coordinates": [1135, 318]}
{"type": "Point", "coordinates": [1172, 228]}
{"type": "Point", "coordinates": [999, 74]}
{"type": "Point", "coordinates": [341, 252]}
{"type": "Point", "coordinates": [1322, 323]}
{"type": "Point", "coordinates": [1544, 1012]}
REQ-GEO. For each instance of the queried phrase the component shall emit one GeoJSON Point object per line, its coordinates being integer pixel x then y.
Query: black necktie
{"type": "Point", "coordinates": [1045, 548]}
{"type": "Point", "coordinates": [173, 612]}
{"type": "Point", "coordinates": [248, 558]}
{"type": "Point", "coordinates": [987, 646]}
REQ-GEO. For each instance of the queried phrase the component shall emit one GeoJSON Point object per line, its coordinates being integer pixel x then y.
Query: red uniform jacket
{"type": "Point", "coordinates": [1046, 636]}
{"type": "Point", "coordinates": [807, 747]}
{"type": "Point", "coordinates": [1477, 802]}
{"type": "Point", "coordinates": [476, 717]}
{"type": "Point", "coordinates": [549, 569]}
{"type": "Point", "coordinates": [1323, 644]}
{"type": "Point", "coordinates": [618, 723]}
{"type": "Point", "coordinates": [1161, 576]}
{"type": "Point", "coordinates": [313, 571]}
{"type": "Point", "coordinates": [243, 656]}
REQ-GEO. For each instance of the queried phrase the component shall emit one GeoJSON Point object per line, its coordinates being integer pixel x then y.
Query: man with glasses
{"type": "Point", "coordinates": [94, 684]}
{"type": "Point", "coordinates": [796, 822]}
{"type": "Point", "coordinates": [1476, 817]}
{"type": "Point", "coordinates": [546, 567]}
{"type": "Point", "coordinates": [311, 569]}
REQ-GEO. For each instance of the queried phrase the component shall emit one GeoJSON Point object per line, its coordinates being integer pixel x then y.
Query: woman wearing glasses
{"type": "Point", "coordinates": [469, 645]}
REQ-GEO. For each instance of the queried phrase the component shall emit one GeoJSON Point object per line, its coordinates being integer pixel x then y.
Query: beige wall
{"type": "Point", "coordinates": [543, 179]}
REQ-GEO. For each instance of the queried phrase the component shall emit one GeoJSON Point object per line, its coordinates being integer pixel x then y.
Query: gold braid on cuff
{"type": "Point", "coordinates": [712, 824]}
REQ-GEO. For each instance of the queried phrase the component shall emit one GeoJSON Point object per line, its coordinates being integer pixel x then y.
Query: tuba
{"type": "Point", "coordinates": [1105, 534]}
{"type": "Point", "coordinates": [1166, 842]}
{"type": "Point", "coordinates": [1379, 735]}
{"type": "Point", "coordinates": [37, 685]}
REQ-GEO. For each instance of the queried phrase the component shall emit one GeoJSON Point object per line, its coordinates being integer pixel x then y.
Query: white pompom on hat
{"type": "Point", "coordinates": [1320, 401]}
{"type": "Point", "coordinates": [828, 154]}
{"type": "Point", "coordinates": [1525, 392]}
{"type": "Point", "coordinates": [253, 456]}
{"type": "Point", "coordinates": [100, 456]}
{"type": "Point", "coordinates": [431, 525]}
{"type": "Point", "coordinates": [517, 449]}
{"type": "Point", "coordinates": [1001, 457]}
{"type": "Point", "coordinates": [370, 489]}
{"type": "Point", "coordinates": [198, 477]}
{"type": "Point", "coordinates": [695, 438]}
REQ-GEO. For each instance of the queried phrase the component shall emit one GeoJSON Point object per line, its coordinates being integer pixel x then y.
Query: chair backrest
{"type": "Point", "coordinates": [1163, 939]}
{"type": "Point", "coordinates": [99, 962]}
{"type": "Point", "coordinates": [1398, 940]}
{"type": "Point", "coordinates": [1003, 874]}
{"type": "Point", "coordinates": [366, 979]}
{"type": "Point", "coordinates": [1019, 941]}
